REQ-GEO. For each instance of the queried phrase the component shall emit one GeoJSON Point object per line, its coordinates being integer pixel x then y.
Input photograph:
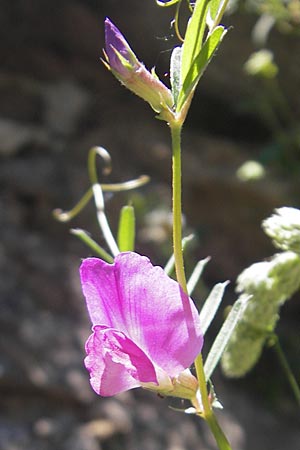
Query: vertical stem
{"type": "Point", "coordinates": [177, 213]}
{"type": "Point", "coordinates": [208, 414]}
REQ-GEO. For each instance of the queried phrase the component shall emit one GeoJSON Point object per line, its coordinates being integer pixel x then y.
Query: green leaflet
{"type": "Point", "coordinates": [211, 305]}
{"type": "Point", "coordinates": [224, 335]}
{"type": "Point", "coordinates": [193, 37]}
{"type": "Point", "coordinates": [169, 267]}
{"type": "Point", "coordinates": [175, 67]}
{"type": "Point", "coordinates": [213, 9]}
{"type": "Point", "coordinates": [126, 231]}
{"type": "Point", "coordinates": [215, 13]}
{"type": "Point", "coordinates": [196, 274]}
{"type": "Point", "coordinates": [97, 249]}
{"type": "Point", "coordinates": [199, 64]}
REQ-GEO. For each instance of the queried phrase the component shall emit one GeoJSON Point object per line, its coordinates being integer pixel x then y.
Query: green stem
{"type": "Point", "coordinates": [216, 430]}
{"type": "Point", "coordinates": [176, 199]}
{"type": "Point", "coordinates": [202, 386]}
{"type": "Point", "coordinates": [208, 413]}
{"type": "Point", "coordinates": [286, 368]}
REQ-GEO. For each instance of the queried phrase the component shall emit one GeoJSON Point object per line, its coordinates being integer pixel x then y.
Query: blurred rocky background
{"type": "Point", "coordinates": [56, 101]}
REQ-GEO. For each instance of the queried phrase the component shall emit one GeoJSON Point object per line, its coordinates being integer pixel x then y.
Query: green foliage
{"type": "Point", "coordinates": [228, 328]}
{"type": "Point", "coordinates": [202, 38]}
{"type": "Point", "coordinates": [126, 230]}
{"type": "Point", "coordinates": [93, 245]}
{"type": "Point", "coordinates": [211, 305]}
{"type": "Point", "coordinates": [198, 65]}
{"type": "Point", "coordinates": [193, 39]}
{"type": "Point", "coordinates": [175, 65]}
{"type": "Point", "coordinates": [196, 274]}
{"type": "Point", "coordinates": [269, 284]}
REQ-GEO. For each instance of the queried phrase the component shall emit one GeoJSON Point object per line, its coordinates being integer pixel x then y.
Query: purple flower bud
{"type": "Point", "coordinates": [118, 51]}
{"type": "Point", "coordinates": [125, 66]}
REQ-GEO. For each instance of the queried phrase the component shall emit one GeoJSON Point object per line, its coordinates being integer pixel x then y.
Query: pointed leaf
{"type": "Point", "coordinates": [199, 64]}
{"type": "Point", "coordinates": [196, 274]}
{"type": "Point", "coordinates": [85, 237]}
{"type": "Point", "coordinates": [211, 305]}
{"type": "Point", "coordinates": [193, 37]}
{"type": "Point", "coordinates": [175, 66]}
{"type": "Point", "coordinates": [169, 267]}
{"type": "Point", "coordinates": [213, 9]}
{"type": "Point", "coordinates": [223, 336]}
{"type": "Point", "coordinates": [215, 13]}
{"type": "Point", "coordinates": [126, 231]}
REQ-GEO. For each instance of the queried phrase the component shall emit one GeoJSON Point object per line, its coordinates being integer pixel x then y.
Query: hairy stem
{"type": "Point", "coordinates": [208, 415]}
{"type": "Point", "coordinates": [176, 199]}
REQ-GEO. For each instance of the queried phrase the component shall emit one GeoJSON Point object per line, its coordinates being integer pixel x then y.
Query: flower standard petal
{"type": "Point", "coordinates": [116, 364]}
{"type": "Point", "coordinates": [163, 319]}
{"type": "Point", "coordinates": [140, 300]}
{"type": "Point", "coordinates": [102, 294]}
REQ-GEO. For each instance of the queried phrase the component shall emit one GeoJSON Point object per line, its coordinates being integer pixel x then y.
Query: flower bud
{"type": "Point", "coordinates": [283, 227]}
{"type": "Point", "coordinates": [125, 66]}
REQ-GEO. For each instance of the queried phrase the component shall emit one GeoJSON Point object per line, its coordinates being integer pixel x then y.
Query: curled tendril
{"type": "Point", "coordinates": [92, 168]}
{"type": "Point", "coordinates": [175, 21]}
{"type": "Point", "coordinates": [66, 216]}
{"type": "Point", "coordinates": [96, 191]}
{"type": "Point", "coordinates": [167, 3]}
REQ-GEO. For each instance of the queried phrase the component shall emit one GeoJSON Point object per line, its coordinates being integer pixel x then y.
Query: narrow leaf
{"type": "Point", "coordinates": [223, 336]}
{"type": "Point", "coordinates": [126, 231]}
{"type": "Point", "coordinates": [214, 7]}
{"type": "Point", "coordinates": [196, 274]}
{"type": "Point", "coordinates": [215, 13]}
{"type": "Point", "coordinates": [211, 305]}
{"type": "Point", "coordinates": [199, 64]}
{"type": "Point", "coordinates": [169, 267]}
{"type": "Point", "coordinates": [193, 37]}
{"type": "Point", "coordinates": [84, 237]}
{"type": "Point", "coordinates": [175, 66]}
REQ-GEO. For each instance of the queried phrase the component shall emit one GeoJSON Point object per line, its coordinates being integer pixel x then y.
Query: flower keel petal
{"type": "Point", "coordinates": [116, 364]}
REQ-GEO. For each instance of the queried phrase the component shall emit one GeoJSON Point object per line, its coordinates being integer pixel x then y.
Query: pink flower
{"type": "Point", "coordinates": [146, 330]}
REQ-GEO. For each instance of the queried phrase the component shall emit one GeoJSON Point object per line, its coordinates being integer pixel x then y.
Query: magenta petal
{"type": "Point", "coordinates": [141, 301]}
{"type": "Point", "coordinates": [115, 41]}
{"type": "Point", "coordinates": [116, 364]}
